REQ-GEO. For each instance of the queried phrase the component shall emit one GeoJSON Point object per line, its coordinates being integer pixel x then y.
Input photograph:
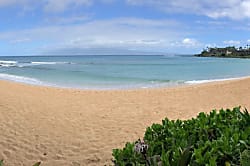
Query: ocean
{"type": "Point", "coordinates": [106, 72]}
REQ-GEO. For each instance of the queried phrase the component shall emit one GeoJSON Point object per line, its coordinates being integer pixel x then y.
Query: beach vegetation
{"type": "Point", "coordinates": [227, 52]}
{"type": "Point", "coordinates": [218, 138]}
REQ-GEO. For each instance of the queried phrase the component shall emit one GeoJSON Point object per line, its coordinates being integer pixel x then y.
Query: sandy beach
{"type": "Point", "coordinates": [78, 127]}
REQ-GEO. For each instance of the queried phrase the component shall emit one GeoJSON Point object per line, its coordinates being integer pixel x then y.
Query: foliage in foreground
{"type": "Point", "coordinates": [218, 138]}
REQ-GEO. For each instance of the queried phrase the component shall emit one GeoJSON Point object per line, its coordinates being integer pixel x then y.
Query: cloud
{"type": "Point", "coordinates": [232, 42]}
{"type": "Point", "coordinates": [108, 1]}
{"type": "Point", "coordinates": [122, 33]}
{"type": "Point", "coordinates": [55, 6]}
{"type": "Point", "coordinates": [4, 3]}
{"type": "Point", "coordinates": [67, 20]}
{"type": "Point", "coordinates": [233, 9]}
{"type": "Point", "coordinates": [22, 40]}
{"type": "Point", "coordinates": [190, 42]}
{"type": "Point", "coordinates": [62, 5]}
{"type": "Point", "coordinates": [51, 6]}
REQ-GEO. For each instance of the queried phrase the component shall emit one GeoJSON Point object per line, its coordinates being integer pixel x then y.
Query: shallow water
{"type": "Point", "coordinates": [119, 72]}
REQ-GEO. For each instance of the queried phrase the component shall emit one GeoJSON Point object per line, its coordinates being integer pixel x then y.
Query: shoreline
{"type": "Point", "coordinates": [175, 85]}
{"type": "Point", "coordinates": [70, 126]}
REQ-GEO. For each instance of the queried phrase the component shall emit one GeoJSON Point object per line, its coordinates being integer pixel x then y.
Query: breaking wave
{"type": "Point", "coordinates": [21, 79]}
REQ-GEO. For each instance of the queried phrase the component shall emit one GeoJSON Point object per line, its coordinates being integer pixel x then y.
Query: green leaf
{"type": "Point", "coordinates": [37, 164]}
{"type": "Point", "coordinates": [245, 158]}
{"type": "Point", "coordinates": [186, 156]}
{"type": "Point", "coordinates": [227, 163]}
{"type": "Point", "coordinates": [212, 161]}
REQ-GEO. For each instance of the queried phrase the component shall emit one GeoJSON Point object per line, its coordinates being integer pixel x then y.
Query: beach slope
{"type": "Point", "coordinates": [78, 127]}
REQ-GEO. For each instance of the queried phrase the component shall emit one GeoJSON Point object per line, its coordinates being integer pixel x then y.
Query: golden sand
{"type": "Point", "coordinates": [77, 127]}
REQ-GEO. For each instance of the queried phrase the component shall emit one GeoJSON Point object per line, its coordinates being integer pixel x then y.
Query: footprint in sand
{"type": "Point", "coordinates": [6, 153]}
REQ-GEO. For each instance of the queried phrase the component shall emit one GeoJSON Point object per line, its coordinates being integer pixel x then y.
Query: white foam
{"type": "Point", "coordinates": [17, 64]}
{"type": "Point", "coordinates": [21, 79]}
{"type": "Point", "coordinates": [8, 62]}
{"type": "Point", "coordinates": [7, 65]}
{"type": "Point", "coordinates": [211, 80]}
{"type": "Point", "coordinates": [49, 63]}
{"type": "Point", "coordinates": [44, 63]}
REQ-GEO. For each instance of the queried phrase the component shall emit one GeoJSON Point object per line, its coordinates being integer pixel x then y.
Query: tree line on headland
{"type": "Point", "coordinates": [227, 52]}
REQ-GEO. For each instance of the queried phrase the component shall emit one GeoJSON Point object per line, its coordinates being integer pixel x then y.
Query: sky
{"type": "Point", "coordinates": [79, 27]}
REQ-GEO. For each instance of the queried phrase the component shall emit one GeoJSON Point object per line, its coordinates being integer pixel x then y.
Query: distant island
{"type": "Point", "coordinates": [227, 52]}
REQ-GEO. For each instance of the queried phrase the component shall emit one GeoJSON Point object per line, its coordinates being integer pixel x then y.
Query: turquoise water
{"type": "Point", "coordinates": [119, 72]}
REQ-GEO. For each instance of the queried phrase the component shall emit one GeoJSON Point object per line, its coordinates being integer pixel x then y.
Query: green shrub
{"type": "Point", "coordinates": [245, 158]}
{"type": "Point", "coordinates": [218, 138]}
